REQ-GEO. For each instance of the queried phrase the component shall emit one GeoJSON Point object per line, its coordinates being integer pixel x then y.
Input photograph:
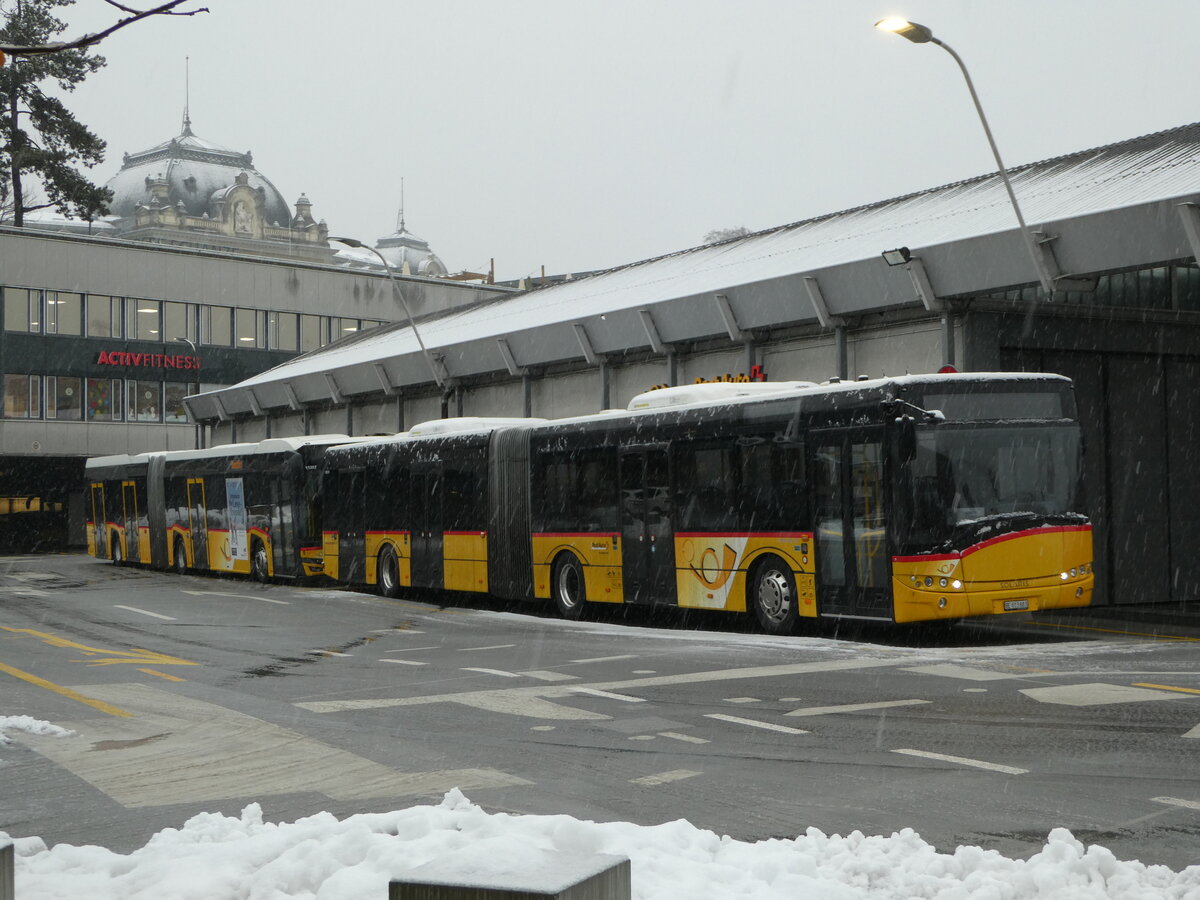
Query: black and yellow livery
{"type": "Point", "coordinates": [898, 499]}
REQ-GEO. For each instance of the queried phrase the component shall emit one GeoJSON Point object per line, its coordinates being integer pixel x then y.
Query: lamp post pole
{"type": "Point", "coordinates": [919, 34]}
{"type": "Point", "coordinates": [412, 323]}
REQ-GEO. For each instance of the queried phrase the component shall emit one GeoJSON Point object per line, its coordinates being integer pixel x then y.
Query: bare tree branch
{"type": "Point", "coordinates": [165, 9]}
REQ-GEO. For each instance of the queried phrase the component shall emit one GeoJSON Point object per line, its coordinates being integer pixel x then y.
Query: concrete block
{"type": "Point", "coordinates": [561, 876]}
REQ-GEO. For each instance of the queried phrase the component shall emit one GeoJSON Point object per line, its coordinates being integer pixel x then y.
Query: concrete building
{"type": "Point", "coordinates": [1117, 227]}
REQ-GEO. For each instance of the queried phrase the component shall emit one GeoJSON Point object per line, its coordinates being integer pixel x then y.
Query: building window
{"type": "Point", "coordinates": [22, 310]}
{"type": "Point", "coordinates": [144, 401]}
{"type": "Point", "coordinates": [368, 324]}
{"type": "Point", "coordinates": [173, 409]}
{"type": "Point", "coordinates": [23, 396]}
{"type": "Point", "coordinates": [282, 327]}
{"type": "Point", "coordinates": [63, 397]}
{"type": "Point", "coordinates": [64, 313]}
{"type": "Point", "coordinates": [179, 322]}
{"type": "Point", "coordinates": [103, 316]}
{"type": "Point", "coordinates": [341, 328]}
{"type": "Point", "coordinates": [143, 320]}
{"type": "Point", "coordinates": [310, 333]}
{"type": "Point", "coordinates": [104, 399]}
{"type": "Point", "coordinates": [250, 328]}
{"type": "Point", "coordinates": [217, 325]}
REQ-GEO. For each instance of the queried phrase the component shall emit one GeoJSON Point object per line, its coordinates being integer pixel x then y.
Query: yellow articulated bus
{"type": "Point", "coordinates": [248, 509]}
{"type": "Point", "coordinates": [898, 499]}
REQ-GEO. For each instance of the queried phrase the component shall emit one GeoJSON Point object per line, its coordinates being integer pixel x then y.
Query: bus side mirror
{"type": "Point", "coordinates": [906, 438]}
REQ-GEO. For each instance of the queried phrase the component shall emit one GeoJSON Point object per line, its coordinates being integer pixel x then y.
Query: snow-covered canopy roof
{"type": "Point", "coordinates": [1103, 209]}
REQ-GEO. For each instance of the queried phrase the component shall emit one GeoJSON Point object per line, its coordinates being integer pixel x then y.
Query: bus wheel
{"type": "Point", "coordinates": [258, 562]}
{"type": "Point", "coordinates": [570, 596]}
{"type": "Point", "coordinates": [387, 573]}
{"type": "Point", "coordinates": [773, 596]}
{"type": "Point", "coordinates": [180, 558]}
{"type": "Point", "coordinates": [117, 556]}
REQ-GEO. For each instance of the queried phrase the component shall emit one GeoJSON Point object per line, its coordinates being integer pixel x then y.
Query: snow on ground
{"type": "Point", "coordinates": [29, 725]}
{"type": "Point", "coordinates": [322, 858]}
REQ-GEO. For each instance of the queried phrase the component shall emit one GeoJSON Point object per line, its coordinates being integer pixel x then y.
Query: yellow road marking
{"type": "Point", "coordinates": [162, 675]}
{"type": "Point", "coordinates": [112, 657]}
{"type": "Point", "coordinates": [1157, 637]}
{"type": "Point", "coordinates": [66, 692]}
{"type": "Point", "coordinates": [1167, 687]}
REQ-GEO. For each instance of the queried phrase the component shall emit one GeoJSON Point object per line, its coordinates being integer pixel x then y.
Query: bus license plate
{"type": "Point", "coordinates": [1013, 605]}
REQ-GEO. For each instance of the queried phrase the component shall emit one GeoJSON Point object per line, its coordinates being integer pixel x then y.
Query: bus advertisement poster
{"type": "Point", "coordinates": [236, 498]}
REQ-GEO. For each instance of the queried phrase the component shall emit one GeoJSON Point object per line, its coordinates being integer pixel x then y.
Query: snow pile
{"type": "Point", "coordinates": [29, 725]}
{"type": "Point", "coordinates": [321, 858]}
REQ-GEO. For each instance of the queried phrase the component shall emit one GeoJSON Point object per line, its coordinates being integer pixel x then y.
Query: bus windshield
{"type": "Point", "coordinates": [963, 474]}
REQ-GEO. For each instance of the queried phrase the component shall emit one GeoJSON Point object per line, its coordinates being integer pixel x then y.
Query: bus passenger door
{"type": "Point", "coordinates": [197, 522]}
{"type": "Point", "coordinates": [99, 518]}
{"type": "Point", "coordinates": [647, 535]}
{"type": "Point", "coordinates": [352, 539]}
{"type": "Point", "coordinates": [853, 559]}
{"type": "Point", "coordinates": [428, 569]}
{"type": "Point", "coordinates": [129, 521]}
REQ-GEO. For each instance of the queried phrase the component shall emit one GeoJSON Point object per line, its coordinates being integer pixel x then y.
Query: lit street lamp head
{"type": "Point", "coordinates": [918, 34]}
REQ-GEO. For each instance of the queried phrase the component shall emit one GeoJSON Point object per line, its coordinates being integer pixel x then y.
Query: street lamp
{"type": "Point", "coordinates": [919, 34]}
{"type": "Point", "coordinates": [352, 242]}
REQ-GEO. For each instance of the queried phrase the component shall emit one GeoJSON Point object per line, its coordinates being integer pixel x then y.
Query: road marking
{"type": "Point", "coordinates": [664, 777]}
{"type": "Point", "coordinates": [963, 761]}
{"type": "Point", "coordinates": [500, 672]}
{"type": "Point", "coordinates": [209, 753]}
{"type": "Point", "coordinates": [29, 592]}
{"type": "Point", "coordinates": [492, 647]}
{"type": "Point", "coordinates": [328, 653]}
{"type": "Point", "coordinates": [162, 675]}
{"type": "Point", "coordinates": [853, 707]}
{"type": "Point", "coordinates": [1157, 637]}
{"type": "Point", "coordinates": [543, 727]}
{"type": "Point", "coordinates": [754, 723]}
{"type": "Point", "coordinates": [404, 662]}
{"type": "Point", "coordinates": [1175, 801]}
{"type": "Point", "coordinates": [238, 596]}
{"type": "Point", "coordinates": [604, 658]}
{"type": "Point", "coordinates": [965, 673]}
{"type": "Point", "coordinates": [396, 630]}
{"type": "Point", "coordinates": [144, 612]}
{"type": "Point", "coordinates": [596, 692]}
{"type": "Point", "coordinates": [112, 657]}
{"type": "Point", "coordinates": [641, 737]}
{"type": "Point", "coordinates": [688, 738]}
{"type": "Point", "coordinates": [66, 692]}
{"type": "Point", "coordinates": [541, 675]}
{"type": "Point", "coordinates": [1194, 733]}
{"type": "Point", "coordinates": [1166, 687]}
{"type": "Point", "coordinates": [1096, 694]}
{"type": "Point", "coordinates": [742, 700]}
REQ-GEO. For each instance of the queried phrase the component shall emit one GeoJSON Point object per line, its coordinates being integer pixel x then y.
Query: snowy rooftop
{"type": "Point", "coordinates": [1105, 208]}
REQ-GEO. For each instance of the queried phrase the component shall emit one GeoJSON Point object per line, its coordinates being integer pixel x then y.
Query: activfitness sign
{"type": "Point", "coordinates": [147, 360]}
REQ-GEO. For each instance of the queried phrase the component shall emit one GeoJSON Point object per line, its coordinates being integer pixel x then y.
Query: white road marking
{"type": "Point", "coordinates": [404, 662]}
{"type": "Point", "coordinates": [493, 647]}
{"type": "Point", "coordinates": [664, 777]}
{"type": "Point", "coordinates": [327, 653]}
{"type": "Point", "coordinates": [974, 690]}
{"type": "Point", "coordinates": [604, 658]}
{"type": "Point", "coordinates": [1194, 733]}
{"type": "Point", "coordinates": [549, 676]}
{"type": "Point", "coordinates": [500, 672]}
{"type": "Point", "coordinates": [238, 596]}
{"type": "Point", "coordinates": [29, 592]}
{"type": "Point", "coordinates": [742, 700]}
{"type": "Point", "coordinates": [965, 673]}
{"type": "Point", "coordinates": [208, 753]}
{"type": "Point", "coordinates": [1175, 801]}
{"type": "Point", "coordinates": [644, 671]}
{"type": "Point", "coordinates": [543, 727]}
{"type": "Point", "coordinates": [963, 761]}
{"type": "Point", "coordinates": [411, 649]}
{"type": "Point", "coordinates": [596, 692]}
{"type": "Point", "coordinates": [145, 612]}
{"type": "Point", "coordinates": [754, 723]}
{"type": "Point", "coordinates": [396, 631]}
{"type": "Point", "coordinates": [853, 707]}
{"type": "Point", "coordinates": [1097, 694]}
{"type": "Point", "coordinates": [641, 737]}
{"type": "Point", "coordinates": [689, 738]}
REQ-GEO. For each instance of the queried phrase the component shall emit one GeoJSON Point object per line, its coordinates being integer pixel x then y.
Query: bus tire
{"type": "Point", "coordinates": [773, 596]}
{"type": "Point", "coordinates": [387, 572]}
{"type": "Point", "coordinates": [118, 557]}
{"type": "Point", "coordinates": [259, 564]}
{"type": "Point", "coordinates": [180, 558]}
{"type": "Point", "coordinates": [570, 593]}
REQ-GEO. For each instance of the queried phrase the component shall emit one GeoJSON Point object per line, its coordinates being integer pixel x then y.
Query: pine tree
{"type": "Point", "coordinates": [40, 141]}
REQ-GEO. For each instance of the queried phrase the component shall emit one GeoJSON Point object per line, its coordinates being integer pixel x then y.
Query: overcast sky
{"type": "Point", "coordinates": [579, 134]}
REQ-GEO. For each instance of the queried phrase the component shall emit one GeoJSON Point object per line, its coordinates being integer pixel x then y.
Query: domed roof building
{"type": "Point", "coordinates": [405, 252]}
{"type": "Point", "coordinates": [190, 191]}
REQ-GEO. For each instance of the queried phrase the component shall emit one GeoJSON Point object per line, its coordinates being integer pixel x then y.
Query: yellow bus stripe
{"type": "Point", "coordinates": [1166, 687]}
{"type": "Point", "coordinates": [66, 692]}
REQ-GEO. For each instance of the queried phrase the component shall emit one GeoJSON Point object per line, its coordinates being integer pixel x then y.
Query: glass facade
{"type": "Point", "coordinates": [64, 313]}
{"type": "Point", "coordinates": [103, 316]}
{"type": "Point", "coordinates": [1162, 287]}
